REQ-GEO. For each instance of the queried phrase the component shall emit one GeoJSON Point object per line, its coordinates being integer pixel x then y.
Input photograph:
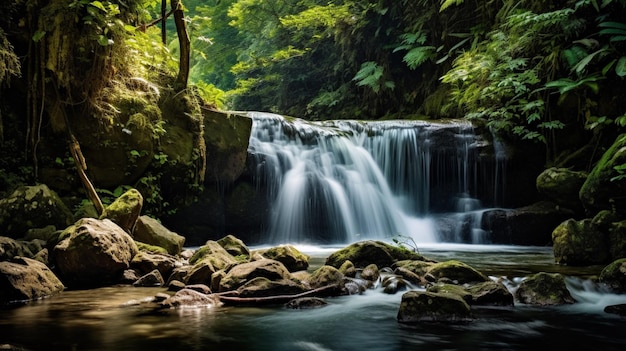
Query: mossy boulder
{"type": "Point", "coordinates": [245, 272]}
{"type": "Point", "coordinates": [261, 286]}
{"type": "Point", "coordinates": [214, 253]}
{"type": "Point", "coordinates": [326, 275]}
{"type": "Point", "coordinates": [125, 210]}
{"type": "Point", "coordinates": [363, 253]}
{"type": "Point", "coordinates": [579, 243]}
{"type": "Point", "coordinates": [544, 289]}
{"type": "Point", "coordinates": [289, 255]}
{"type": "Point", "coordinates": [31, 207]}
{"type": "Point", "coordinates": [150, 231]}
{"type": "Point", "coordinates": [562, 186]}
{"type": "Point", "coordinates": [614, 276]}
{"type": "Point", "coordinates": [604, 188]}
{"type": "Point", "coordinates": [235, 246]}
{"type": "Point", "coordinates": [423, 306]}
{"type": "Point", "coordinates": [455, 272]}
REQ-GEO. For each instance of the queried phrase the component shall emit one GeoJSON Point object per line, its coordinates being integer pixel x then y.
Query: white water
{"type": "Point", "coordinates": [344, 181]}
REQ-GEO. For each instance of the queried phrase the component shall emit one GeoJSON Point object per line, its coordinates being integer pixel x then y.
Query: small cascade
{"type": "Point", "coordinates": [342, 181]}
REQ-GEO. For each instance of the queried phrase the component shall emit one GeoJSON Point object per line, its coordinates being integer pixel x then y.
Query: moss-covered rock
{"type": "Point", "coordinates": [602, 190]}
{"type": "Point", "coordinates": [289, 255]}
{"type": "Point", "coordinates": [150, 231]}
{"type": "Point", "coordinates": [562, 186]}
{"type": "Point", "coordinates": [422, 306]}
{"type": "Point", "coordinates": [235, 246]}
{"type": "Point", "coordinates": [617, 240]}
{"type": "Point", "coordinates": [31, 207]}
{"type": "Point", "coordinates": [125, 210]}
{"type": "Point", "coordinates": [614, 276]}
{"type": "Point", "coordinates": [456, 272]}
{"type": "Point", "coordinates": [367, 252]}
{"type": "Point", "coordinates": [579, 243]}
{"type": "Point", "coordinates": [544, 289]}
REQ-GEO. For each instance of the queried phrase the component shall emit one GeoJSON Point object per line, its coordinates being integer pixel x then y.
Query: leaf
{"type": "Point", "coordinates": [98, 4]}
{"type": "Point", "coordinates": [620, 68]}
{"type": "Point", "coordinates": [38, 35]}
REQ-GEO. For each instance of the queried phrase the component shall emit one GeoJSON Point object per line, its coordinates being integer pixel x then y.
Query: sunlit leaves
{"type": "Point", "coordinates": [372, 75]}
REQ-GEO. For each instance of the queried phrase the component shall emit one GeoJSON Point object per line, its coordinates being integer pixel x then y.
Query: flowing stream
{"type": "Point", "coordinates": [115, 318]}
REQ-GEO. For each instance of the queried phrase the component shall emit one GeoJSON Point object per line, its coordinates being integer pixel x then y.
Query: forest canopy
{"type": "Point", "coordinates": [526, 70]}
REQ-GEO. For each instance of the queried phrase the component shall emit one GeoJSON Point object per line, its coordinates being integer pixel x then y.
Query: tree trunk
{"type": "Point", "coordinates": [184, 44]}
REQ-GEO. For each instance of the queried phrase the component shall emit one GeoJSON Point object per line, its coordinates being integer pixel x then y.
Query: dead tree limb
{"type": "Point", "coordinates": [329, 290]}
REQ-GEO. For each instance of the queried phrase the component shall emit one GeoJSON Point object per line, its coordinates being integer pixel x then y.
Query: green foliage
{"type": "Point", "coordinates": [9, 62]}
{"type": "Point", "coordinates": [417, 53]}
{"type": "Point", "coordinates": [372, 75]}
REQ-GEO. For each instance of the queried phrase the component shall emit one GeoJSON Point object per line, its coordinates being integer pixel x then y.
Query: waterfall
{"type": "Point", "coordinates": [343, 181]}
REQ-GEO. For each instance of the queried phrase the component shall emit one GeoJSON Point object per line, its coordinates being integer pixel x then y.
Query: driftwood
{"type": "Point", "coordinates": [328, 290]}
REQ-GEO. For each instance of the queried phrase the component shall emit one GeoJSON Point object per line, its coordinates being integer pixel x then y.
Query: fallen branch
{"type": "Point", "coordinates": [328, 290]}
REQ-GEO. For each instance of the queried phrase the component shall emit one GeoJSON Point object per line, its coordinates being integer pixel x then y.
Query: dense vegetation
{"type": "Point", "coordinates": [548, 72]}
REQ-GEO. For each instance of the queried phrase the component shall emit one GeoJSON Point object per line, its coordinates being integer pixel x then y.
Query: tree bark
{"type": "Point", "coordinates": [184, 44]}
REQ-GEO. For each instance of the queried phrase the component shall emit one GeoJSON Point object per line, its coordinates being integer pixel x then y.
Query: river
{"type": "Point", "coordinates": [119, 318]}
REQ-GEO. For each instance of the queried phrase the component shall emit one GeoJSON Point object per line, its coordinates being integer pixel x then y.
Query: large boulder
{"type": "Point", "coordinates": [289, 255]}
{"type": "Point", "coordinates": [94, 253]}
{"type": "Point", "coordinates": [23, 279]}
{"type": "Point", "coordinates": [245, 272]}
{"type": "Point", "coordinates": [562, 186]}
{"type": "Point", "coordinates": [422, 306]}
{"type": "Point", "coordinates": [544, 289]}
{"type": "Point", "coordinates": [617, 240]}
{"type": "Point", "coordinates": [32, 207]}
{"type": "Point", "coordinates": [579, 243]}
{"type": "Point", "coordinates": [605, 186]}
{"type": "Point", "coordinates": [150, 231]}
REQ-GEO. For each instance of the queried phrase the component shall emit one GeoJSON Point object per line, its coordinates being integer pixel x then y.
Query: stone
{"type": "Point", "coordinates": [125, 210]}
{"type": "Point", "coordinates": [422, 306]}
{"type": "Point", "coordinates": [23, 279]}
{"type": "Point", "coordinates": [31, 207]}
{"type": "Point", "coordinates": [94, 253]}
{"type": "Point", "coordinates": [150, 231]}
{"type": "Point", "coordinates": [544, 289]}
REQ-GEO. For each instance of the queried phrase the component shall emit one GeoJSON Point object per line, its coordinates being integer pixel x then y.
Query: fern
{"type": "Point", "coordinates": [447, 3]}
{"type": "Point", "coordinates": [371, 75]}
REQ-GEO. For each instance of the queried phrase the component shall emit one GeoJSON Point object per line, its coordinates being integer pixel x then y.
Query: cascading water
{"type": "Point", "coordinates": [341, 181]}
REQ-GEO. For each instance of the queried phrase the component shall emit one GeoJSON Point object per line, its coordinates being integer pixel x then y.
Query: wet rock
{"type": "Point", "coordinates": [347, 269]}
{"type": "Point", "coordinates": [370, 273]}
{"type": "Point", "coordinates": [94, 253]}
{"type": "Point", "coordinates": [24, 279]}
{"type": "Point", "coordinates": [392, 284]}
{"type": "Point", "coordinates": [326, 275]}
{"type": "Point", "coordinates": [306, 303]}
{"type": "Point", "coordinates": [150, 231]}
{"type": "Point", "coordinates": [422, 306]}
{"type": "Point", "coordinates": [616, 309]}
{"type": "Point", "coordinates": [490, 293]}
{"type": "Point", "coordinates": [544, 289]}
{"type": "Point", "coordinates": [190, 298]}
{"type": "Point", "coordinates": [153, 278]}
{"type": "Point", "coordinates": [614, 276]}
